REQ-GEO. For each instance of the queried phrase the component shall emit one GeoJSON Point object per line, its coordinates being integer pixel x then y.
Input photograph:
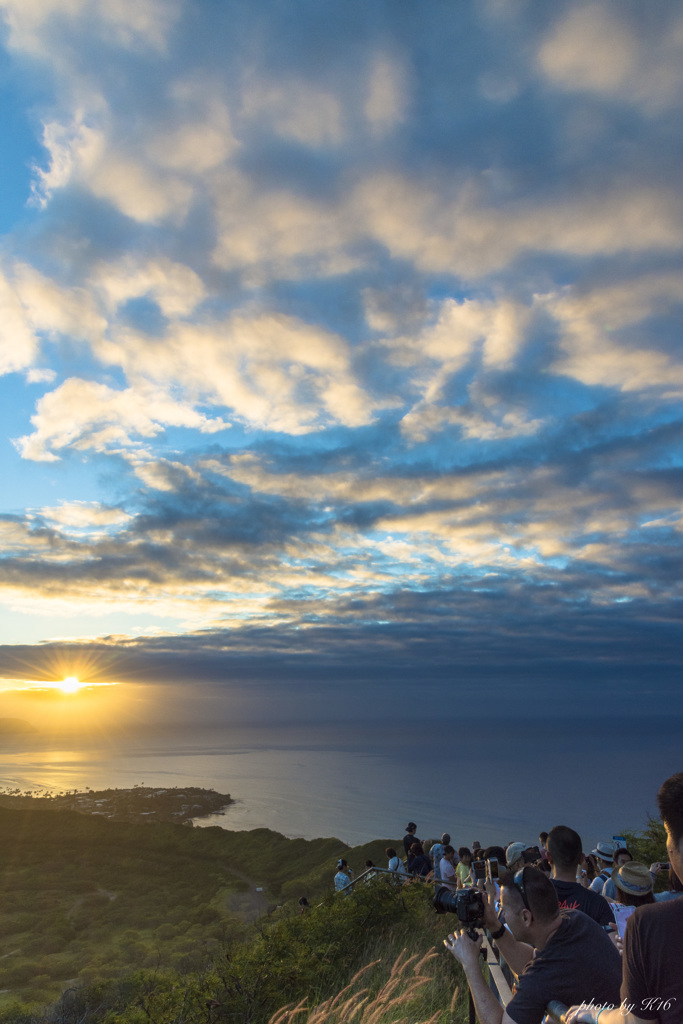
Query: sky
{"type": "Point", "coordinates": [340, 354]}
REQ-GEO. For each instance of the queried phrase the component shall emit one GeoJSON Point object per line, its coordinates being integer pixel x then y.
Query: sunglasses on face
{"type": "Point", "coordinates": [519, 886]}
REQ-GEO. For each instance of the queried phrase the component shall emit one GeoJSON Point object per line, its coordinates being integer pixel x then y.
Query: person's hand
{"type": "Point", "coordinates": [579, 1013]}
{"type": "Point", "coordinates": [490, 916]}
{"type": "Point", "coordinates": [618, 941]}
{"type": "Point", "coordinates": [463, 948]}
{"type": "Point", "coordinates": [656, 867]}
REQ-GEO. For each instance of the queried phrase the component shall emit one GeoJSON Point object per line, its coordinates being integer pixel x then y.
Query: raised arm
{"type": "Point", "coordinates": [517, 954]}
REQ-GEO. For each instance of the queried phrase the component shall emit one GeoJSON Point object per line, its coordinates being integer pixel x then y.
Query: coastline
{"type": "Point", "coordinates": [177, 805]}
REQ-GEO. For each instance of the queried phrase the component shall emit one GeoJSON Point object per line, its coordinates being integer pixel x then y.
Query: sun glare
{"type": "Point", "coordinates": [69, 685]}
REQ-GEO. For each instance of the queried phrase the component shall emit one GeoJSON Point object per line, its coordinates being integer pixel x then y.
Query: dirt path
{"type": "Point", "coordinates": [251, 905]}
{"type": "Point", "coordinates": [80, 900]}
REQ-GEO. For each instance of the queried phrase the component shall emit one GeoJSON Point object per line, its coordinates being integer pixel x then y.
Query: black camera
{"type": "Point", "coordinates": [468, 904]}
{"type": "Point", "coordinates": [531, 855]}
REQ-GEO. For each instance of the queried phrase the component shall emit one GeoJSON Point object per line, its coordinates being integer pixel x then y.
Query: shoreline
{"type": "Point", "coordinates": [175, 805]}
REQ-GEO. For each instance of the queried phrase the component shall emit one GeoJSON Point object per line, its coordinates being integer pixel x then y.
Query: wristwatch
{"type": "Point", "coordinates": [498, 932]}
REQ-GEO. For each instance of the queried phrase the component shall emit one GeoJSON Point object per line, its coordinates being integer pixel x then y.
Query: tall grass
{"type": "Point", "coordinates": [407, 995]}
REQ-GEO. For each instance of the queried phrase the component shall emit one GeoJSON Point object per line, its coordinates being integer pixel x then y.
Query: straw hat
{"type": "Point", "coordinates": [634, 878]}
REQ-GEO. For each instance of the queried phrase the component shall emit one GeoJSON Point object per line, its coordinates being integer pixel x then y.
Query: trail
{"type": "Point", "coordinates": [251, 905]}
{"type": "Point", "coordinates": [80, 900]}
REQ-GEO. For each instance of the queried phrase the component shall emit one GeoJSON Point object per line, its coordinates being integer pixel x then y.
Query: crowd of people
{"type": "Point", "coordinates": [586, 929]}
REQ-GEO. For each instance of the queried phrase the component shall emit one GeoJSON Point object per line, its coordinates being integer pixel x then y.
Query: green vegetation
{"type": "Point", "coordinates": [309, 956]}
{"type": "Point", "coordinates": [648, 846]}
{"type": "Point", "coordinates": [155, 922]}
{"type": "Point", "coordinates": [122, 916]}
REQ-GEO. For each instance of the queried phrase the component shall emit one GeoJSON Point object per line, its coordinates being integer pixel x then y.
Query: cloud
{"type": "Point", "coordinates": [56, 310]}
{"type": "Point", "coordinates": [276, 233]}
{"type": "Point", "coordinates": [81, 155]}
{"type": "Point", "coordinates": [606, 339]}
{"type": "Point", "coordinates": [460, 328]}
{"type": "Point", "coordinates": [272, 371]}
{"type": "Point", "coordinates": [294, 110]}
{"type": "Point", "coordinates": [350, 485]}
{"type": "Point", "coordinates": [462, 333]}
{"type": "Point", "coordinates": [127, 23]}
{"type": "Point", "coordinates": [469, 236]}
{"type": "Point", "coordinates": [487, 424]}
{"type": "Point", "coordinates": [239, 540]}
{"type": "Point", "coordinates": [598, 48]}
{"type": "Point", "coordinates": [40, 376]}
{"type": "Point", "coordinates": [177, 289]}
{"type": "Point", "coordinates": [82, 515]}
{"type": "Point", "coordinates": [385, 107]}
{"type": "Point", "coordinates": [198, 137]}
{"type": "Point", "coordinates": [18, 342]}
{"type": "Point", "coordinates": [86, 415]}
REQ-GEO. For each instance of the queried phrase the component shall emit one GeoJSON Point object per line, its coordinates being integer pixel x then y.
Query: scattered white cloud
{"type": "Point", "coordinates": [57, 310]}
{"type": "Point", "coordinates": [127, 23]}
{"type": "Point", "coordinates": [602, 336]}
{"type": "Point", "coordinates": [465, 235]}
{"type": "Point", "coordinates": [131, 186]}
{"type": "Point", "coordinates": [272, 371]}
{"type": "Point", "coordinates": [87, 415]}
{"type": "Point", "coordinates": [80, 154]}
{"type": "Point", "coordinates": [279, 234]}
{"type": "Point", "coordinates": [84, 515]}
{"type": "Point", "coordinates": [295, 109]}
{"type": "Point", "coordinates": [485, 423]}
{"type": "Point", "coordinates": [177, 289]}
{"type": "Point", "coordinates": [199, 136]}
{"type": "Point", "coordinates": [497, 328]}
{"type": "Point", "coordinates": [595, 47]}
{"type": "Point", "coordinates": [161, 474]}
{"type": "Point", "coordinates": [40, 376]}
{"type": "Point", "coordinates": [18, 342]}
{"type": "Point", "coordinates": [385, 105]}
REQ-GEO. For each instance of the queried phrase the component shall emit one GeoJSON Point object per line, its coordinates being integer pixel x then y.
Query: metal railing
{"type": "Point", "coordinates": [369, 872]}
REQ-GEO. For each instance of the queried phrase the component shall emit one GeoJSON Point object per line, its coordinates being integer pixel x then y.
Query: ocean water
{"type": "Point", "coordinates": [496, 781]}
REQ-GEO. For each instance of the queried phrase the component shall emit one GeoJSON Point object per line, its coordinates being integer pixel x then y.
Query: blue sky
{"type": "Point", "coordinates": [343, 341]}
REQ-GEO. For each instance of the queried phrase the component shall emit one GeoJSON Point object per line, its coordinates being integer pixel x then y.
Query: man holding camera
{"type": "Point", "coordinates": [554, 955]}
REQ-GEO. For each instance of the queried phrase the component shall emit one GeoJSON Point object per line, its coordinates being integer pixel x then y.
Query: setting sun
{"type": "Point", "coordinates": [69, 685]}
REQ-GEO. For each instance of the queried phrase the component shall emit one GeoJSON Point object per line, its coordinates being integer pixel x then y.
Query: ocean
{"type": "Point", "coordinates": [486, 779]}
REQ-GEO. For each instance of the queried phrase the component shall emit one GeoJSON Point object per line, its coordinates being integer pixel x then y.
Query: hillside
{"type": "Point", "coordinates": [86, 899]}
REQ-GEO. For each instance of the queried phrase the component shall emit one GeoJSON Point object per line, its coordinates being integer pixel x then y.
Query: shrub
{"type": "Point", "coordinates": [648, 845]}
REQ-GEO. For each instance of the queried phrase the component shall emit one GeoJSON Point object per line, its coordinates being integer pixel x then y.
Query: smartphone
{"type": "Point", "coordinates": [492, 868]}
{"type": "Point", "coordinates": [479, 869]}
